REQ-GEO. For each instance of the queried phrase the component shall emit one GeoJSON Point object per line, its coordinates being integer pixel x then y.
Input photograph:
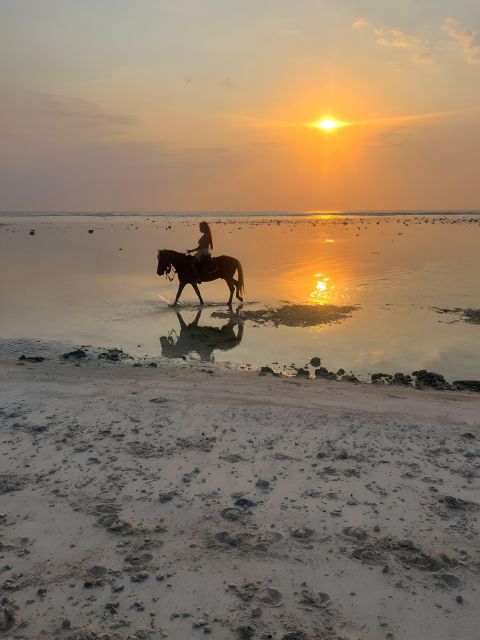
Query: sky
{"type": "Point", "coordinates": [159, 105]}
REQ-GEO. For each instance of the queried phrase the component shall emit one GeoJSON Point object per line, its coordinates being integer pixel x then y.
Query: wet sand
{"type": "Point", "coordinates": [177, 502]}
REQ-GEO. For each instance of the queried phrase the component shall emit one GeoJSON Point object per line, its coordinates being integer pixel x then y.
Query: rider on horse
{"type": "Point", "coordinates": [202, 253]}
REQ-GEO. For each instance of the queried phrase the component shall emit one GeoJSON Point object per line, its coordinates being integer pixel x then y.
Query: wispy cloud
{"type": "Point", "coordinates": [468, 39]}
{"type": "Point", "coordinates": [423, 51]}
{"type": "Point", "coordinates": [360, 23]}
{"type": "Point", "coordinates": [398, 39]}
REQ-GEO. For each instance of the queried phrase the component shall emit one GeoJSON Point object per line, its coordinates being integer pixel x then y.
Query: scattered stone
{"type": "Point", "coordinates": [32, 358]}
{"type": "Point", "coordinates": [263, 485]}
{"type": "Point", "coordinates": [355, 532]}
{"type": "Point", "coordinates": [315, 362]}
{"type": "Point", "coordinates": [77, 354]}
{"type": "Point", "coordinates": [7, 614]}
{"type": "Point", "coordinates": [302, 533]}
{"type": "Point", "coordinates": [113, 355]}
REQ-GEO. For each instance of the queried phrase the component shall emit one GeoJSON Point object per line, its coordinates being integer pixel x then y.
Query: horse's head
{"type": "Point", "coordinates": [164, 264]}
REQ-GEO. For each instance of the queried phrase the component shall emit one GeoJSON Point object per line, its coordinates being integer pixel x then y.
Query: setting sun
{"type": "Point", "coordinates": [329, 124]}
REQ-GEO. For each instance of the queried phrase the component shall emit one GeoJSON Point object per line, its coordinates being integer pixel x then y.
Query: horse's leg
{"type": "Point", "coordinates": [197, 291]}
{"type": "Point", "coordinates": [231, 286]}
{"type": "Point", "coordinates": [181, 287]}
{"type": "Point", "coordinates": [237, 292]}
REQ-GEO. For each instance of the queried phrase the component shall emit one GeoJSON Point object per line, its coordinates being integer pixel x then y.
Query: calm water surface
{"type": "Point", "coordinates": [66, 285]}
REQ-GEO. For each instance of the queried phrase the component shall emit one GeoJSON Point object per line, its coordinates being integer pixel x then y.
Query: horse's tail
{"type": "Point", "coordinates": [241, 281]}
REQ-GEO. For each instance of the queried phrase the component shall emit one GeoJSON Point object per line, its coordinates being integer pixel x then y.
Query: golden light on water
{"type": "Point", "coordinates": [323, 289]}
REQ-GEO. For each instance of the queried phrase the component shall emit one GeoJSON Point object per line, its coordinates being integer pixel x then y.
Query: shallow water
{"type": "Point", "coordinates": [67, 286]}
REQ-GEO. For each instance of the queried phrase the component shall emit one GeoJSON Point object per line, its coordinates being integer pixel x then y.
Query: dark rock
{"type": "Point", "coordinates": [113, 355]}
{"type": "Point", "coordinates": [91, 230]}
{"type": "Point", "coordinates": [426, 378]}
{"type": "Point", "coordinates": [315, 362]}
{"type": "Point", "coordinates": [350, 378]}
{"type": "Point", "coordinates": [295, 635]}
{"type": "Point", "coordinates": [321, 372]}
{"type": "Point", "coordinates": [450, 580]}
{"type": "Point", "coordinates": [263, 485]}
{"type": "Point", "coordinates": [467, 385]}
{"type": "Point", "coordinates": [381, 378]}
{"type": "Point", "coordinates": [459, 600]}
{"type": "Point", "coordinates": [244, 503]}
{"type": "Point", "coordinates": [402, 378]}
{"type": "Point", "coordinates": [355, 532]}
{"type": "Point", "coordinates": [340, 372]}
{"type": "Point", "coordinates": [7, 614]}
{"type": "Point", "coordinates": [267, 370]}
{"type": "Point", "coordinates": [246, 632]}
{"type": "Point", "coordinates": [76, 354]}
{"type": "Point", "coordinates": [66, 624]}
{"type": "Point", "coordinates": [32, 358]}
{"type": "Point", "coordinates": [302, 373]}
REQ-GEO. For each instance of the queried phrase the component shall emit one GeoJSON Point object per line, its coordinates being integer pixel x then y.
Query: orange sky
{"type": "Point", "coordinates": [205, 105]}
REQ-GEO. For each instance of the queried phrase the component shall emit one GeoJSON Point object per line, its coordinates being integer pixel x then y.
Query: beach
{"type": "Point", "coordinates": [177, 501]}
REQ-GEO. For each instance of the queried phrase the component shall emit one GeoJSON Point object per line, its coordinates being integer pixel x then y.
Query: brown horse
{"type": "Point", "coordinates": [221, 267]}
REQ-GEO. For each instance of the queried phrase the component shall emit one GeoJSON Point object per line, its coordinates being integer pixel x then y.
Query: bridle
{"type": "Point", "coordinates": [168, 271]}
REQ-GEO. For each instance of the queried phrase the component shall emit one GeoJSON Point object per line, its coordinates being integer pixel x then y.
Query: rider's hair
{"type": "Point", "coordinates": [205, 228]}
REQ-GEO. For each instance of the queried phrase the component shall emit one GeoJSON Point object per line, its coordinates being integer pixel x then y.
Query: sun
{"type": "Point", "coordinates": [329, 124]}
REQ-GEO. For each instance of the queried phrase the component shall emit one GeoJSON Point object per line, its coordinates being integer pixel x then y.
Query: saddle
{"type": "Point", "coordinates": [208, 266]}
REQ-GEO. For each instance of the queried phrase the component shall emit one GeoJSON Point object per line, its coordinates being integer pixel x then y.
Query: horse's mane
{"type": "Point", "coordinates": [169, 253]}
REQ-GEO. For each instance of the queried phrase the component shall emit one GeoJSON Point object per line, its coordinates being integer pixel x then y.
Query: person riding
{"type": "Point", "coordinates": [202, 252]}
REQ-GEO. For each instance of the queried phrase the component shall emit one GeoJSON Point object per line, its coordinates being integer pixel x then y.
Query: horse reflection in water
{"type": "Point", "coordinates": [202, 339]}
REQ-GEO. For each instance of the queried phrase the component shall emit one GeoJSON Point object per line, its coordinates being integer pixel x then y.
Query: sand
{"type": "Point", "coordinates": [177, 502]}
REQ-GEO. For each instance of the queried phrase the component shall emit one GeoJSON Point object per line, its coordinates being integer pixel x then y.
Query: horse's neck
{"type": "Point", "coordinates": [175, 257]}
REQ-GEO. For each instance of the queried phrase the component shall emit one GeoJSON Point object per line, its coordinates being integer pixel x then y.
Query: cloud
{"type": "Point", "coordinates": [468, 40]}
{"type": "Point", "coordinates": [398, 39]}
{"type": "Point", "coordinates": [360, 23]}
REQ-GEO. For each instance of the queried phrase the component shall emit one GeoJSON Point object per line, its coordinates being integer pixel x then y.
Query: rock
{"type": "Point", "coordinates": [450, 580]}
{"type": "Point", "coordinates": [113, 355]}
{"type": "Point", "coordinates": [315, 362]}
{"type": "Point", "coordinates": [75, 354]}
{"type": "Point", "coordinates": [402, 378]}
{"type": "Point", "coordinates": [166, 496]}
{"type": "Point", "coordinates": [32, 358]}
{"type": "Point", "coordinates": [381, 378]}
{"type": "Point", "coordinates": [244, 503]}
{"type": "Point", "coordinates": [246, 632]}
{"type": "Point", "coordinates": [7, 614]}
{"type": "Point", "coordinates": [66, 624]}
{"type": "Point", "coordinates": [295, 635]}
{"type": "Point", "coordinates": [302, 373]}
{"type": "Point", "coordinates": [321, 372]}
{"type": "Point", "coordinates": [426, 378]}
{"type": "Point", "coordinates": [340, 372]}
{"type": "Point", "coordinates": [459, 600]}
{"type": "Point", "coordinates": [91, 230]}
{"type": "Point", "coordinates": [350, 378]}
{"type": "Point", "coordinates": [267, 370]}
{"type": "Point", "coordinates": [32, 232]}
{"type": "Point", "coordinates": [302, 533]}
{"type": "Point", "coordinates": [355, 532]}
{"type": "Point", "coordinates": [263, 485]}
{"type": "Point", "coordinates": [467, 385]}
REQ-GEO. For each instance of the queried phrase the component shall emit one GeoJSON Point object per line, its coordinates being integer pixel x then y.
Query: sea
{"type": "Point", "coordinates": [406, 285]}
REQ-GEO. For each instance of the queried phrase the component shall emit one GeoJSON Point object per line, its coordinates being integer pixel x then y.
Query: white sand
{"type": "Point", "coordinates": [89, 450]}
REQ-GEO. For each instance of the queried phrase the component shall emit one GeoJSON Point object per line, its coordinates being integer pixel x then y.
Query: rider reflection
{"type": "Point", "coordinates": [203, 340]}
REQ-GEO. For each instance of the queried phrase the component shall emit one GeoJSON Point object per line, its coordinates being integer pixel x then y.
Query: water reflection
{"type": "Point", "coordinates": [203, 340]}
{"type": "Point", "coordinates": [323, 290]}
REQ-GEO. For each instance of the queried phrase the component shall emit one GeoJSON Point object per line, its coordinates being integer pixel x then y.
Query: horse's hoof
{"type": "Point", "coordinates": [240, 298]}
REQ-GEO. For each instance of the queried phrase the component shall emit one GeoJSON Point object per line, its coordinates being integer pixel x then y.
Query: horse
{"type": "Point", "coordinates": [220, 267]}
